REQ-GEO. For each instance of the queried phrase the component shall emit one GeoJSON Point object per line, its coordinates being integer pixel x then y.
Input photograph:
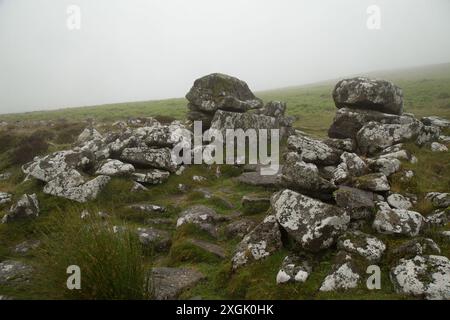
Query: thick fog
{"type": "Point", "coordinates": [130, 50]}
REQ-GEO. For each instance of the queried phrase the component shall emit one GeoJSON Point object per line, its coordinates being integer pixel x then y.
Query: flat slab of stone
{"type": "Point", "coordinates": [209, 247]}
{"type": "Point", "coordinates": [256, 179]}
{"type": "Point", "coordinates": [169, 283]}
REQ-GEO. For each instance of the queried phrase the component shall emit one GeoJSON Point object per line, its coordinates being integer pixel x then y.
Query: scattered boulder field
{"type": "Point", "coordinates": [330, 193]}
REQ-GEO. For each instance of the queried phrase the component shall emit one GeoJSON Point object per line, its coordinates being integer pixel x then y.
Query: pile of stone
{"type": "Point", "coordinates": [332, 189]}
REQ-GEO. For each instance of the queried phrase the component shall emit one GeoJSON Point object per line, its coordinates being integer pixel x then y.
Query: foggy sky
{"type": "Point", "coordinates": [130, 50]}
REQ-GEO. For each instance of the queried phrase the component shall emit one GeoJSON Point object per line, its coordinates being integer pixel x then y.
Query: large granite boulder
{"type": "Point", "coordinates": [313, 224]}
{"type": "Point", "coordinates": [313, 151]}
{"type": "Point", "coordinates": [222, 92]}
{"type": "Point", "coordinates": [369, 94]}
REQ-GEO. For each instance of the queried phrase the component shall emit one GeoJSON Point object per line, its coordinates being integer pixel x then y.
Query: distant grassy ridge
{"type": "Point", "coordinates": [426, 92]}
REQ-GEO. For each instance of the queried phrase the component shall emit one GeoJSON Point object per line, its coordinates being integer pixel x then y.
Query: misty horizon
{"type": "Point", "coordinates": [152, 50]}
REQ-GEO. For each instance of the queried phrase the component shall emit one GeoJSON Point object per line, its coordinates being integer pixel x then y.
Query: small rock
{"type": "Point", "coordinates": [343, 276]}
{"type": "Point", "coordinates": [294, 269]}
{"type": "Point", "coordinates": [358, 203]}
{"type": "Point", "coordinates": [137, 187]}
{"type": "Point", "coordinates": [26, 246]}
{"type": "Point", "coordinates": [148, 208]}
{"type": "Point", "coordinates": [436, 122]}
{"type": "Point", "coordinates": [26, 207]}
{"type": "Point", "coordinates": [5, 176]}
{"type": "Point", "coordinates": [374, 182]}
{"type": "Point", "coordinates": [414, 247]}
{"type": "Point", "coordinates": [438, 147]}
{"type": "Point", "coordinates": [113, 168]}
{"type": "Point", "coordinates": [158, 239]}
{"type": "Point", "coordinates": [198, 178]}
{"type": "Point", "coordinates": [168, 283]}
{"type": "Point", "coordinates": [439, 200]}
{"type": "Point", "coordinates": [5, 198]}
{"type": "Point", "coordinates": [200, 214]}
{"type": "Point", "coordinates": [398, 201]}
{"type": "Point", "coordinates": [239, 228]}
{"type": "Point", "coordinates": [438, 218]}
{"type": "Point", "coordinates": [14, 272]}
{"type": "Point", "coordinates": [154, 176]}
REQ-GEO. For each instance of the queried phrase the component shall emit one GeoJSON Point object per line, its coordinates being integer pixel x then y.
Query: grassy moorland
{"type": "Point", "coordinates": [67, 241]}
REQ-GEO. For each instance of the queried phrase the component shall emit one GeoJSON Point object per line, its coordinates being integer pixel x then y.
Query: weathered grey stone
{"type": "Point", "coordinates": [436, 122]}
{"type": "Point", "coordinates": [414, 247]}
{"type": "Point", "coordinates": [313, 224]}
{"type": "Point", "coordinates": [74, 187]}
{"type": "Point", "coordinates": [294, 269]}
{"type": "Point", "coordinates": [147, 207]}
{"type": "Point", "coordinates": [385, 166]}
{"type": "Point", "coordinates": [344, 275]}
{"type": "Point", "coordinates": [374, 137]}
{"type": "Point", "coordinates": [398, 201]}
{"type": "Point", "coordinates": [26, 246]}
{"type": "Point", "coordinates": [222, 92]}
{"type": "Point", "coordinates": [423, 276]}
{"type": "Point", "coordinates": [255, 204]}
{"type": "Point", "coordinates": [113, 168]}
{"type": "Point", "coordinates": [224, 120]}
{"type": "Point", "coordinates": [14, 272]}
{"type": "Point", "coordinates": [374, 182]}
{"type": "Point", "coordinates": [88, 134]}
{"type": "Point", "coordinates": [370, 94]}
{"type": "Point", "coordinates": [313, 151]}
{"type": "Point", "coordinates": [358, 203]}
{"type": "Point", "coordinates": [169, 283]}
{"type": "Point", "coordinates": [438, 199]}
{"type": "Point", "coordinates": [438, 218]}
{"type": "Point", "coordinates": [261, 242]}
{"type": "Point", "coordinates": [239, 228]}
{"type": "Point", "coordinates": [5, 198]}
{"type": "Point", "coordinates": [305, 177]}
{"type": "Point", "coordinates": [398, 221]}
{"type": "Point", "coordinates": [351, 166]}
{"type": "Point", "coordinates": [200, 214]}
{"type": "Point", "coordinates": [154, 176]}
{"type": "Point", "coordinates": [428, 134]}
{"type": "Point", "coordinates": [26, 207]}
{"type": "Point", "coordinates": [154, 158]}
{"type": "Point", "coordinates": [257, 179]}
{"type": "Point", "coordinates": [438, 147]}
{"type": "Point", "coordinates": [209, 247]}
{"type": "Point", "coordinates": [364, 245]}
{"type": "Point", "coordinates": [159, 240]}
{"type": "Point", "coordinates": [341, 144]}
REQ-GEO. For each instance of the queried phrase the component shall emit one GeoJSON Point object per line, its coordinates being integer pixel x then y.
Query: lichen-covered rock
{"type": "Point", "coordinates": [26, 246]}
{"type": "Point", "coordinates": [305, 177]}
{"type": "Point", "coordinates": [438, 147]}
{"type": "Point", "coordinates": [374, 137]}
{"type": "Point", "coordinates": [365, 245]}
{"type": "Point", "coordinates": [428, 134]}
{"type": "Point", "coordinates": [154, 176]}
{"type": "Point", "coordinates": [137, 187]}
{"type": "Point", "coordinates": [147, 207]}
{"type": "Point", "coordinates": [224, 120]}
{"type": "Point", "coordinates": [200, 214]}
{"type": "Point", "coordinates": [344, 275]}
{"type": "Point", "coordinates": [239, 228]}
{"type": "Point", "coordinates": [13, 272]}
{"type": "Point", "coordinates": [222, 92]}
{"type": "Point", "coordinates": [5, 197]}
{"type": "Point", "coordinates": [385, 166]}
{"type": "Point", "coordinates": [313, 151]}
{"type": "Point", "coordinates": [398, 201]}
{"type": "Point", "coordinates": [49, 167]}
{"type": "Point", "coordinates": [315, 225]}
{"type": "Point", "coordinates": [169, 283]}
{"type": "Point", "coordinates": [397, 221]}
{"type": "Point", "coordinates": [351, 166]}
{"type": "Point", "coordinates": [88, 134]}
{"type": "Point", "coordinates": [294, 269]}
{"type": "Point", "coordinates": [438, 218]}
{"type": "Point", "coordinates": [370, 94]}
{"type": "Point", "coordinates": [73, 186]}
{"type": "Point", "coordinates": [439, 200]}
{"type": "Point", "coordinates": [261, 242]}
{"type": "Point", "coordinates": [258, 179]}
{"type": "Point", "coordinates": [26, 207]}
{"type": "Point", "coordinates": [347, 122]}
{"type": "Point", "coordinates": [374, 182]}
{"type": "Point", "coordinates": [113, 167]}
{"type": "Point", "coordinates": [341, 144]}
{"type": "Point", "coordinates": [414, 247]}
{"type": "Point", "coordinates": [154, 158]}
{"type": "Point", "coordinates": [423, 276]}
{"type": "Point", "coordinates": [159, 240]}
{"type": "Point", "coordinates": [274, 109]}
{"type": "Point", "coordinates": [358, 203]}
{"type": "Point", "coordinates": [436, 122]}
